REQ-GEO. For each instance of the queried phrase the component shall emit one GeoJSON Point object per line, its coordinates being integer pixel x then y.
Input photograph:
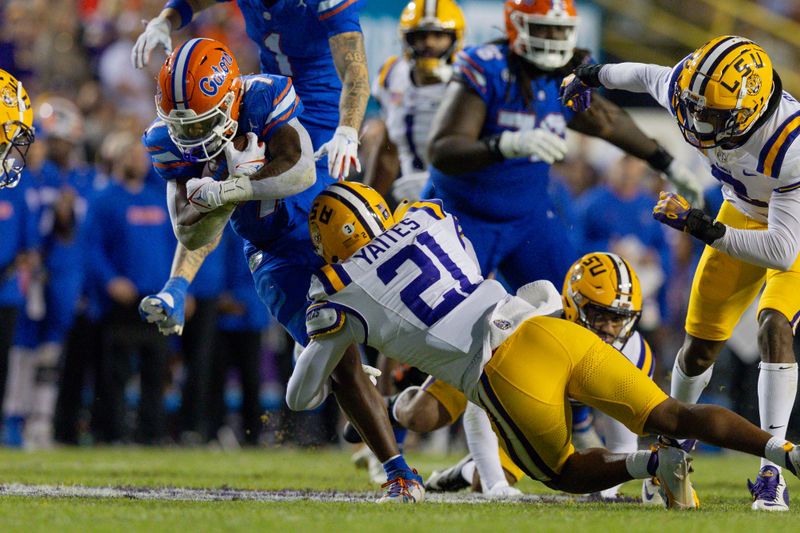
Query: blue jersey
{"type": "Point", "coordinates": [509, 189]}
{"type": "Point", "coordinates": [292, 36]}
{"type": "Point", "coordinates": [274, 226]}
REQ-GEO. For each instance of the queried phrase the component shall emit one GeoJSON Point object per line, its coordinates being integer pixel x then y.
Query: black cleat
{"type": "Point", "coordinates": [449, 479]}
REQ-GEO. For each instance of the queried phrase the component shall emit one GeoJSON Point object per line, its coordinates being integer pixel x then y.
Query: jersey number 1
{"type": "Point", "coordinates": [430, 273]}
{"type": "Point", "coordinates": [273, 44]}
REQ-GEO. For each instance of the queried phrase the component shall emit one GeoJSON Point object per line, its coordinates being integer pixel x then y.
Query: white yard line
{"type": "Point", "coordinates": [207, 495]}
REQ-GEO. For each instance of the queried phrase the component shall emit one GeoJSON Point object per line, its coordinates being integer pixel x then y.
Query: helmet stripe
{"type": "Point", "coordinates": [431, 8]}
{"type": "Point", "coordinates": [179, 74]}
{"type": "Point", "coordinates": [362, 200]}
{"type": "Point", "coordinates": [728, 54]}
{"type": "Point", "coordinates": [357, 207]}
{"type": "Point", "coordinates": [711, 56]}
{"type": "Point", "coordinates": [623, 277]}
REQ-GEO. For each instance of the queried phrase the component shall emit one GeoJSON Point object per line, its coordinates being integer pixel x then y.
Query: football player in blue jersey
{"type": "Point", "coordinates": [499, 128]}
{"type": "Point", "coordinates": [203, 103]}
{"type": "Point", "coordinates": [318, 43]}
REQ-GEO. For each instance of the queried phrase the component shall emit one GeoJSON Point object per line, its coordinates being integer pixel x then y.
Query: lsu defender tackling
{"type": "Point", "coordinates": [729, 103]}
{"type": "Point", "coordinates": [412, 289]}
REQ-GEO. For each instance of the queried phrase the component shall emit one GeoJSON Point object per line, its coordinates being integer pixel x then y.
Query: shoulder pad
{"type": "Point", "coordinates": [432, 207]}
{"type": "Point", "coordinates": [323, 318]}
{"type": "Point", "coordinates": [385, 71]}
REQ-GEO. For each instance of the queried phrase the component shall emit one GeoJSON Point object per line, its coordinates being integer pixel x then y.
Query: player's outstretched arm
{"type": "Point", "coordinates": [175, 15]}
{"type": "Point", "coordinates": [350, 60]}
{"type": "Point", "coordinates": [608, 121]}
{"type": "Point", "coordinates": [381, 162]}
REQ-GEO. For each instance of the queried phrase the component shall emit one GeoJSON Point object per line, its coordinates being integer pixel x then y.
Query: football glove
{"type": "Point", "coordinates": [342, 152]}
{"type": "Point", "coordinates": [248, 161]}
{"type": "Point", "coordinates": [156, 32]}
{"type": "Point", "coordinates": [207, 194]}
{"type": "Point", "coordinates": [576, 89]}
{"type": "Point", "coordinates": [165, 309]}
{"type": "Point", "coordinates": [540, 142]}
{"type": "Point", "coordinates": [674, 211]}
{"type": "Point", "coordinates": [685, 181]}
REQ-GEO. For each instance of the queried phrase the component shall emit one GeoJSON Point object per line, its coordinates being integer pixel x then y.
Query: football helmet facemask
{"type": "Point", "coordinates": [16, 118]}
{"type": "Point", "coordinates": [544, 32]}
{"type": "Point", "coordinates": [199, 92]}
{"type": "Point", "coordinates": [344, 217]}
{"type": "Point", "coordinates": [602, 293]}
{"type": "Point", "coordinates": [440, 16]}
{"type": "Point", "coordinates": [722, 90]}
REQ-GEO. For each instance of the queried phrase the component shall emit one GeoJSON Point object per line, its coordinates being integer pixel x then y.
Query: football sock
{"type": "Point", "coordinates": [400, 436]}
{"type": "Point", "coordinates": [777, 387]}
{"type": "Point", "coordinates": [642, 464]}
{"type": "Point", "coordinates": [482, 444]}
{"type": "Point", "coordinates": [397, 467]}
{"type": "Point", "coordinates": [399, 431]}
{"type": "Point", "coordinates": [688, 388]}
{"type": "Point", "coordinates": [777, 452]}
{"type": "Point", "coordinates": [468, 471]}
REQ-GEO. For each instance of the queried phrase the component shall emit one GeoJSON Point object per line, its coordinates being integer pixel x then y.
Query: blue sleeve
{"type": "Point", "coordinates": [96, 229]}
{"type": "Point", "coordinates": [284, 105]}
{"type": "Point", "coordinates": [167, 159]}
{"type": "Point", "coordinates": [473, 68]}
{"type": "Point", "coordinates": [339, 16]}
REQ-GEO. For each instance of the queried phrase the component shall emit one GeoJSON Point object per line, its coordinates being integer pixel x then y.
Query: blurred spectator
{"type": "Point", "coordinates": [616, 216]}
{"type": "Point", "coordinates": [242, 317]}
{"type": "Point", "coordinates": [129, 239]}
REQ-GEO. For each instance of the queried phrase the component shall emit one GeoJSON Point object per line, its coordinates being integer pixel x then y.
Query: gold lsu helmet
{"type": "Point", "coordinates": [721, 91]}
{"type": "Point", "coordinates": [432, 15]}
{"type": "Point", "coordinates": [16, 118]}
{"type": "Point", "coordinates": [344, 217]}
{"type": "Point", "coordinates": [604, 282]}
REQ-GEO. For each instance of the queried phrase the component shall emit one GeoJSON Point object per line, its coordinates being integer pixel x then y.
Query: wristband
{"type": "Point", "coordinates": [493, 145]}
{"type": "Point", "coordinates": [702, 226]}
{"type": "Point", "coordinates": [184, 9]}
{"type": "Point", "coordinates": [589, 74]}
{"type": "Point", "coordinates": [660, 159]}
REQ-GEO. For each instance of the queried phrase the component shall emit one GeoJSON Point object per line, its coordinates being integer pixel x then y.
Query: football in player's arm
{"type": "Point", "coordinates": [729, 103]}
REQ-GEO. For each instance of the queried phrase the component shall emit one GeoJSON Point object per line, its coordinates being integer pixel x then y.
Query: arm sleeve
{"type": "Point", "coordinates": [776, 247]}
{"type": "Point", "coordinates": [307, 386]}
{"type": "Point", "coordinates": [339, 16]}
{"type": "Point", "coordinates": [640, 78]}
{"type": "Point", "coordinates": [294, 180]}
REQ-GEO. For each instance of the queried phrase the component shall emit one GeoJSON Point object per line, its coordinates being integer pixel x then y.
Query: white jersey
{"type": "Point", "coordinates": [769, 162]}
{"type": "Point", "coordinates": [638, 352]}
{"type": "Point", "coordinates": [418, 293]}
{"type": "Point", "coordinates": [407, 110]}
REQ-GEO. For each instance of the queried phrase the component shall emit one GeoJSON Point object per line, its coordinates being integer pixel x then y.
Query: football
{"type": "Point", "coordinates": [213, 166]}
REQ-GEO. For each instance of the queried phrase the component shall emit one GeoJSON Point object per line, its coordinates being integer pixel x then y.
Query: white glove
{"type": "Point", "coordinates": [372, 372]}
{"type": "Point", "coordinates": [207, 194]}
{"type": "Point", "coordinates": [686, 183]}
{"type": "Point", "coordinates": [157, 32]}
{"type": "Point", "coordinates": [342, 152]}
{"type": "Point", "coordinates": [248, 161]}
{"type": "Point", "coordinates": [542, 143]}
{"type": "Point", "coordinates": [502, 491]}
{"type": "Point", "coordinates": [409, 187]}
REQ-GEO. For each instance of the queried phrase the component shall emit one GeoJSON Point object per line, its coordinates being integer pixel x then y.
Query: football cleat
{"type": "Point", "coordinates": [673, 477]}
{"type": "Point", "coordinates": [651, 492]}
{"type": "Point", "coordinates": [770, 492]}
{"type": "Point", "coordinates": [166, 309]}
{"type": "Point", "coordinates": [449, 479]}
{"type": "Point", "coordinates": [404, 489]}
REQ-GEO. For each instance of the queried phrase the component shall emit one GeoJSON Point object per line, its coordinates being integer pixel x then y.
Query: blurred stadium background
{"type": "Point", "coordinates": [73, 57]}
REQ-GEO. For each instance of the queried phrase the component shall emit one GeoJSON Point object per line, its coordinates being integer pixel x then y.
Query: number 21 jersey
{"type": "Point", "coordinates": [418, 291]}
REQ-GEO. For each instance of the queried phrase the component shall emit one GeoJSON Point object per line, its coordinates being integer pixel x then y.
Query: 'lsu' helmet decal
{"type": "Point", "coordinates": [722, 89]}
{"type": "Point", "coordinates": [603, 282]}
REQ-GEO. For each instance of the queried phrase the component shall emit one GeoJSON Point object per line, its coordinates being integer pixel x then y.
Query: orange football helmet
{"type": "Point", "coordinates": [542, 31]}
{"type": "Point", "coordinates": [199, 92]}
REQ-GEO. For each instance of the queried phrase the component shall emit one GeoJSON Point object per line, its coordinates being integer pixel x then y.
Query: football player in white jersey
{"type": "Point", "coordinates": [412, 289]}
{"type": "Point", "coordinates": [729, 103]}
{"type": "Point", "coordinates": [409, 89]}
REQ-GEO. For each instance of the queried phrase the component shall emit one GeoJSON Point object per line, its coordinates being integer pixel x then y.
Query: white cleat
{"type": "Point", "coordinates": [651, 493]}
{"type": "Point", "coordinates": [364, 458]}
{"type": "Point", "coordinates": [502, 491]}
{"type": "Point", "coordinates": [769, 491]}
{"type": "Point", "coordinates": [673, 476]}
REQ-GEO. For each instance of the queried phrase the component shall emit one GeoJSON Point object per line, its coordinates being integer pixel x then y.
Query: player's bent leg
{"type": "Point", "coordinates": [363, 405]}
{"type": "Point", "coordinates": [693, 366]}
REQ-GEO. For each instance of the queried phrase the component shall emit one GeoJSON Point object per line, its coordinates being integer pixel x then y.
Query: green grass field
{"type": "Point", "coordinates": [720, 482]}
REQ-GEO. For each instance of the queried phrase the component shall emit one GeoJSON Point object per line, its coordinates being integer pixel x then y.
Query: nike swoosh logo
{"type": "Point", "coordinates": [648, 495]}
{"type": "Point", "coordinates": [746, 173]}
{"type": "Point", "coordinates": [785, 367]}
{"type": "Point", "coordinates": [775, 427]}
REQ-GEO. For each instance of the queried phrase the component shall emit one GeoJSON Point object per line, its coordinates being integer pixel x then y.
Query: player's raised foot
{"type": "Point", "coordinates": [770, 492]}
{"type": "Point", "coordinates": [674, 465]}
{"type": "Point", "coordinates": [449, 479]}
{"type": "Point", "coordinates": [406, 488]}
{"type": "Point", "coordinates": [651, 492]}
